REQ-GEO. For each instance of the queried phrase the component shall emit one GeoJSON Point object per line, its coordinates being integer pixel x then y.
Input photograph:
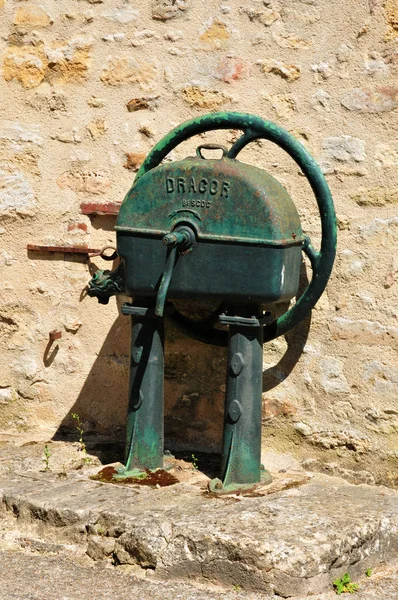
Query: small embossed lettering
{"type": "Point", "coordinates": [185, 185]}
{"type": "Point", "coordinates": [196, 203]}
{"type": "Point", "coordinates": [181, 185]}
{"type": "Point", "coordinates": [224, 189]}
{"type": "Point", "coordinates": [192, 186]}
{"type": "Point", "coordinates": [170, 185]}
{"type": "Point", "coordinates": [213, 187]}
{"type": "Point", "coordinates": [202, 186]}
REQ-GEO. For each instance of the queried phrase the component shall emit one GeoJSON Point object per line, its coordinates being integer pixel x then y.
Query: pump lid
{"type": "Point", "coordinates": [224, 200]}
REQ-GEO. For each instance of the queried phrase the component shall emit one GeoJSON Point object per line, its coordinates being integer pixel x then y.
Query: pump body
{"type": "Point", "coordinates": [212, 229]}
{"type": "Point", "coordinates": [248, 236]}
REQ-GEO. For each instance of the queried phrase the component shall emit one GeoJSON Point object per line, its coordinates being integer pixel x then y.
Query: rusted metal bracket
{"type": "Point", "coordinates": [64, 249]}
{"type": "Point", "coordinates": [91, 252]}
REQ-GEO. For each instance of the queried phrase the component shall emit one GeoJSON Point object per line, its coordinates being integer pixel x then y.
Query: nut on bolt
{"type": "Point", "coordinates": [183, 237]}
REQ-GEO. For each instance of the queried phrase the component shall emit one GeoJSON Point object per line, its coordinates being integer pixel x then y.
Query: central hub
{"type": "Point", "coordinates": [182, 236]}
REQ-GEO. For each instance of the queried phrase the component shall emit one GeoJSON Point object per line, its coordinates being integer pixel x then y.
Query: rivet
{"type": "Point", "coordinates": [136, 354]}
{"type": "Point", "coordinates": [235, 410]}
{"type": "Point", "coordinates": [237, 363]}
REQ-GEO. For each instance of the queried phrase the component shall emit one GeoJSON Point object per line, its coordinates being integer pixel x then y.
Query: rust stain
{"type": "Point", "coordinates": [159, 478]}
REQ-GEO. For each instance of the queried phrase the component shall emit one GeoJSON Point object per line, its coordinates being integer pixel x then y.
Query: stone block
{"type": "Point", "coordinates": [121, 15]}
{"type": "Point", "coordinates": [143, 103]}
{"type": "Point", "coordinates": [16, 192]}
{"type": "Point", "coordinates": [376, 100]}
{"type": "Point", "coordinates": [134, 160]}
{"type": "Point", "coordinates": [362, 331]}
{"type": "Point", "coordinates": [164, 10]}
{"type": "Point", "coordinates": [290, 72]}
{"type": "Point", "coordinates": [91, 182]}
{"type": "Point", "coordinates": [344, 148]}
{"type": "Point", "coordinates": [59, 62]}
{"type": "Point", "coordinates": [97, 128]}
{"type": "Point", "coordinates": [31, 15]}
{"type": "Point", "coordinates": [26, 64]}
{"type": "Point", "coordinates": [376, 196]}
{"type": "Point", "coordinates": [391, 10]}
{"type": "Point", "coordinates": [230, 69]}
{"type": "Point", "coordinates": [333, 380]}
{"type": "Point", "coordinates": [122, 71]}
{"type": "Point", "coordinates": [215, 35]}
{"type": "Point", "coordinates": [199, 97]}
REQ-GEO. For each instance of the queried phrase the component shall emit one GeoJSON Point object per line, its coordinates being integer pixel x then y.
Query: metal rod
{"type": "Point", "coordinates": [165, 282]}
{"type": "Point", "coordinates": [63, 249]}
{"type": "Point", "coordinates": [241, 455]}
{"type": "Point", "coordinates": [145, 429]}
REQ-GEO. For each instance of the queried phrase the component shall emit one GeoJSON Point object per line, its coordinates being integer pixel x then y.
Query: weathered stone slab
{"type": "Point", "coordinates": [290, 543]}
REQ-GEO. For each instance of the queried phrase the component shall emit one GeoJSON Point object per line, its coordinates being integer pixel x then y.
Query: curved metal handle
{"type": "Point", "coordinates": [254, 128]}
{"type": "Point", "coordinates": [211, 147]}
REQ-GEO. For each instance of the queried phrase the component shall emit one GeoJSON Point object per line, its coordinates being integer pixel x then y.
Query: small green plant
{"type": "Point", "coordinates": [46, 457]}
{"type": "Point", "coordinates": [195, 462]}
{"type": "Point", "coordinates": [368, 572]}
{"type": "Point", "coordinates": [86, 460]}
{"type": "Point", "coordinates": [236, 588]}
{"type": "Point", "coordinates": [344, 585]}
{"type": "Point", "coordinates": [80, 429]}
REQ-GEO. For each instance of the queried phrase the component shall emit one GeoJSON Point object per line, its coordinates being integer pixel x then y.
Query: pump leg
{"type": "Point", "coordinates": [145, 429]}
{"type": "Point", "coordinates": [241, 456]}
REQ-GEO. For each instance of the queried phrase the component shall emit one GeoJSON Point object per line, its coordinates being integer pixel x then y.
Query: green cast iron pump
{"type": "Point", "coordinates": [220, 230]}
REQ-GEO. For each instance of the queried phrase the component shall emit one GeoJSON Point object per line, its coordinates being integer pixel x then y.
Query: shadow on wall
{"type": "Point", "coordinates": [102, 401]}
{"type": "Point", "coordinates": [295, 339]}
{"type": "Point", "coordinates": [194, 387]}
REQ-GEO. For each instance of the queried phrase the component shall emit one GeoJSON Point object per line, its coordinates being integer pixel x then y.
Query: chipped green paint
{"type": "Point", "coordinates": [225, 200]}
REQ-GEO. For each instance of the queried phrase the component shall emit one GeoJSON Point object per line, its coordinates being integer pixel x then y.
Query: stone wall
{"type": "Point", "coordinates": [88, 87]}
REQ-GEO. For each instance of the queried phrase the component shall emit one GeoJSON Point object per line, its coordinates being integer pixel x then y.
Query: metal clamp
{"type": "Point", "coordinates": [245, 321]}
{"type": "Point", "coordinates": [140, 311]}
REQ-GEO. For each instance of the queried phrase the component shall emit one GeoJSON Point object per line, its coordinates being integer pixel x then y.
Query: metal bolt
{"type": "Point", "coordinates": [235, 410]}
{"type": "Point", "coordinates": [137, 354]}
{"type": "Point", "coordinates": [170, 239]}
{"type": "Point", "coordinates": [237, 363]}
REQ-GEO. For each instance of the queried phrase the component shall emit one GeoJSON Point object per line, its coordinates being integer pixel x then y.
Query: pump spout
{"type": "Point", "coordinates": [105, 284]}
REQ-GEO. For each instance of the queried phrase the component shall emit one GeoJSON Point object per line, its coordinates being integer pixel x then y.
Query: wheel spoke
{"type": "Point", "coordinates": [245, 139]}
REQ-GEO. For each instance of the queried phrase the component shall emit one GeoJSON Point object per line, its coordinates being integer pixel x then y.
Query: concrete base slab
{"type": "Point", "coordinates": [292, 542]}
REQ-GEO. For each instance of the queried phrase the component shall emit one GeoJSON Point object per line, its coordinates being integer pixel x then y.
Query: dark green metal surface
{"type": "Point", "coordinates": [241, 457]}
{"type": "Point", "coordinates": [145, 437]}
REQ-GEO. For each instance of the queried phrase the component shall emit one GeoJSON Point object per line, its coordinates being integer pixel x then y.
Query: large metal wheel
{"type": "Point", "coordinates": [253, 128]}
